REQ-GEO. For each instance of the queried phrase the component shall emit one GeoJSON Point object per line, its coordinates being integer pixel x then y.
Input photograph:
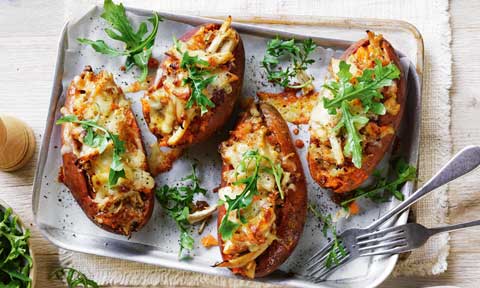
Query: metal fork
{"type": "Point", "coordinates": [403, 238]}
{"type": "Point", "coordinates": [463, 162]}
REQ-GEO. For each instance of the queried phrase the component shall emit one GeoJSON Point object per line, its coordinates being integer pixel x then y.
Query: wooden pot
{"type": "Point", "coordinates": [17, 143]}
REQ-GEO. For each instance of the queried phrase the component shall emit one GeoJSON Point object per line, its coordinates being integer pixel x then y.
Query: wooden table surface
{"type": "Point", "coordinates": [29, 32]}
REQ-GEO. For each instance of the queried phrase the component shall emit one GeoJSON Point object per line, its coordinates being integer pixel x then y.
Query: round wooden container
{"type": "Point", "coordinates": [17, 143]}
{"type": "Point", "coordinates": [4, 206]}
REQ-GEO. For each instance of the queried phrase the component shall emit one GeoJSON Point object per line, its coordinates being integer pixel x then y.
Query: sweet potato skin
{"type": "Point", "coordinates": [373, 154]}
{"type": "Point", "coordinates": [76, 179]}
{"type": "Point", "coordinates": [291, 214]}
{"type": "Point", "coordinates": [203, 127]}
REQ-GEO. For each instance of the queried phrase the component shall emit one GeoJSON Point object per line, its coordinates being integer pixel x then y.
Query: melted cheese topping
{"type": "Point", "coordinates": [254, 237]}
{"type": "Point", "coordinates": [164, 104]}
{"type": "Point", "coordinates": [329, 142]}
{"type": "Point", "coordinates": [97, 97]}
{"type": "Point", "coordinates": [294, 109]}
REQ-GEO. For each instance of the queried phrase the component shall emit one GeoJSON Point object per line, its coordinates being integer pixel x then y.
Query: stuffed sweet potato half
{"type": "Point", "coordinates": [264, 194]}
{"type": "Point", "coordinates": [199, 82]}
{"type": "Point", "coordinates": [104, 162]}
{"type": "Point", "coordinates": [357, 116]}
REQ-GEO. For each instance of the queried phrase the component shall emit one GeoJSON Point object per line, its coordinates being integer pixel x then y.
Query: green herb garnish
{"type": "Point", "coordinates": [337, 246]}
{"type": "Point", "coordinates": [366, 88]}
{"type": "Point", "coordinates": [138, 48]}
{"type": "Point", "coordinates": [382, 190]}
{"type": "Point", "coordinates": [100, 141]}
{"type": "Point", "coordinates": [352, 123]}
{"type": "Point", "coordinates": [244, 199]}
{"type": "Point", "coordinates": [74, 278]}
{"type": "Point", "coordinates": [296, 52]}
{"type": "Point", "coordinates": [198, 78]}
{"type": "Point", "coordinates": [15, 260]}
{"type": "Point", "coordinates": [178, 201]}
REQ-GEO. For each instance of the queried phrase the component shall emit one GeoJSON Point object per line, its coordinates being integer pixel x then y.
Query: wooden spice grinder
{"type": "Point", "coordinates": [17, 143]}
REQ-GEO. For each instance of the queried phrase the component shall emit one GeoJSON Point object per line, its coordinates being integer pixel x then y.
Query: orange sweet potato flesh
{"type": "Point", "coordinates": [291, 213]}
{"type": "Point", "coordinates": [126, 220]}
{"type": "Point", "coordinates": [352, 177]}
{"type": "Point", "coordinates": [203, 127]}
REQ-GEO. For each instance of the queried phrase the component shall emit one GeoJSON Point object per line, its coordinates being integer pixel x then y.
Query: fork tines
{"type": "Point", "coordinates": [355, 243]}
{"type": "Point", "coordinates": [390, 239]}
{"type": "Point", "coordinates": [324, 265]}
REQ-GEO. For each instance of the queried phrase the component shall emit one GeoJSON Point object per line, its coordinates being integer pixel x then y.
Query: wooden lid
{"type": "Point", "coordinates": [3, 133]}
{"type": "Point", "coordinates": [17, 143]}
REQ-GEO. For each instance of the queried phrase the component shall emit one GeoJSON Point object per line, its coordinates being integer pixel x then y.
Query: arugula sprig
{"type": "Point", "coordinates": [15, 260]}
{"type": "Point", "coordinates": [352, 123]}
{"type": "Point", "coordinates": [74, 278]}
{"type": "Point", "coordinates": [366, 88]}
{"type": "Point", "coordinates": [138, 48]}
{"type": "Point", "coordinates": [178, 201]}
{"type": "Point", "coordinates": [332, 256]}
{"type": "Point", "coordinates": [100, 141]}
{"type": "Point", "coordinates": [382, 190]}
{"type": "Point", "coordinates": [296, 52]}
{"type": "Point", "coordinates": [244, 199]}
{"type": "Point", "coordinates": [198, 78]}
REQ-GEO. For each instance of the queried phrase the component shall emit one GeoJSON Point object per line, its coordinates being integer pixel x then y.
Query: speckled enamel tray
{"type": "Point", "coordinates": [62, 222]}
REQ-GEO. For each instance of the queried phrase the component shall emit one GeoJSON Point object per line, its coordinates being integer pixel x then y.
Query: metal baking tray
{"type": "Point", "coordinates": [61, 220]}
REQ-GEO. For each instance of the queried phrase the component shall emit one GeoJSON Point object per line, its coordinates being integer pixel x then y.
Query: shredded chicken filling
{"type": "Point", "coordinates": [327, 142]}
{"type": "Point", "coordinates": [98, 98]}
{"type": "Point", "coordinates": [258, 231]}
{"type": "Point", "coordinates": [165, 104]}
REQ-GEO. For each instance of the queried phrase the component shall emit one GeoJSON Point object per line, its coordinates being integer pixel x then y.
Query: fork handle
{"type": "Point", "coordinates": [463, 162]}
{"type": "Point", "coordinates": [447, 228]}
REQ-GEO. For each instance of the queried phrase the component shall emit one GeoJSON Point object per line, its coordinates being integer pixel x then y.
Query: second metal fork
{"type": "Point", "coordinates": [463, 162]}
